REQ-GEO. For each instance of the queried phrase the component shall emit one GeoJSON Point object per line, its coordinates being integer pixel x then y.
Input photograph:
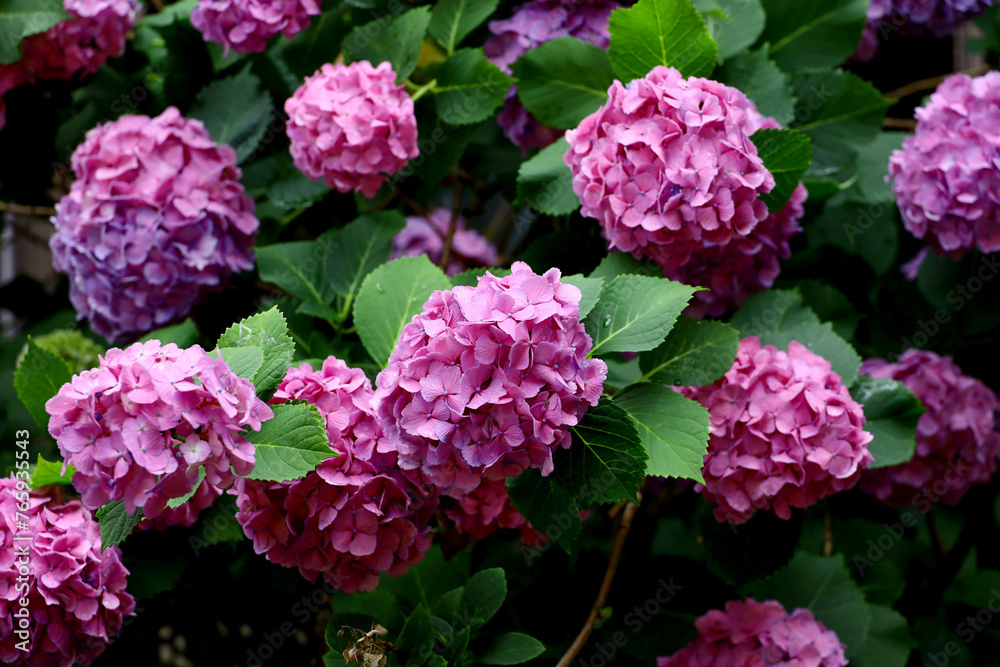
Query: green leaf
{"type": "Point", "coordinates": [484, 595]}
{"type": "Point", "coordinates": [511, 648]}
{"type": "Point", "coordinates": [695, 353]}
{"type": "Point", "coordinates": [177, 502]}
{"type": "Point", "coordinates": [236, 111]}
{"type": "Point", "coordinates": [660, 32]}
{"type": "Point", "coordinates": [429, 579]}
{"type": "Point", "coordinates": [545, 183]}
{"type": "Point", "coordinates": [49, 472]}
{"type": "Point", "coordinates": [290, 444]}
{"type": "Point", "coordinates": [841, 113]}
{"type": "Point", "coordinates": [617, 264]}
{"type": "Point", "coordinates": [824, 586]}
{"type": "Point", "coordinates": [813, 34]}
{"type": "Point", "coordinates": [547, 505]}
{"type": "Point", "coordinates": [635, 313]}
{"type": "Point", "coordinates": [244, 361]}
{"type": "Point", "coordinates": [269, 332]}
{"type": "Point", "coordinates": [453, 20]}
{"type": "Point", "coordinates": [607, 461]}
{"type": "Point", "coordinates": [171, 13]}
{"type": "Point", "coordinates": [115, 524]}
{"type": "Point", "coordinates": [470, 278]}
{"type": "Point", "coordinates": [389, 298]}
{"type": "Point", "coordinates": [300, 267]}
{"type": "Point", "coordinates": [674, 429]}
{"type": "Point", "coordinates": [379, 605]}
{"type": "Point", "coordinates": [416, 635]}
{"type": "Point", "coordinates": [867, 229]}
{"type": "Point", "coordinates": [359, 248]}
{"type": "Point", "coordinates": [39, 378]}
{"type": "Point", "coordinates": [148, 577]}
{"type": "Point", "coordinates": [315, 46]}
{"type": "Point", "coordinates": [295, 189]}
{"type": "Point", "coordinates": [786, 154]}
{"type": "Point", "coordinates": [830, 305]}
{"type": "Point", "coordinates": [891, 416]}
{"type": "Point", "coordinates": [590, 289]}
{"type": "Point", "coordinates": [824, 341]}
{"type": "Point", "coordinates": [772, 310]}
{"type": "Point", "coordinates": [397, 41]}
{"type": "Point", "coordinates": [888, 643]}
{"type": "Point", "coordinates": [563, 81]}
{"type": "Point", "coordinates": [733, 24]}
{"type": "Point", "coordinates": [744, 552]}
{"type": "Point", "coordinates": [760, 79]}
{"type": "Point", "coordinates": [21, 18]}
{"type": "Point", "coordinates": [469, 88]}
{"type": "Point", "coordinates": [184, 334]}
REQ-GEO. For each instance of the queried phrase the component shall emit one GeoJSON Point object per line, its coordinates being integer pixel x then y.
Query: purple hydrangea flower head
{"type": "Point", "coordinates": [486, 509]}
{"type": "Point", "coordinates": [737, 270]}
{"type": "Point", "coordinates": [957, 442]}
{"type": "Point", "coordinates": [358, 514]}
{"type": "Point", "coordinates": [155, 218]}
{"type": "Point", "coordinates": [140, 425]}
{"type": "Point", "coordinates": [532, 24]}
{"type": "Point", "coordinates": [246, 25]}
{"type": "Point", "coordinates": [913, 17]}
{"type": "Point", "coordinates": [96, 32]}
{"type": "Point", "coordinates": [784, 432]}
{"type": "Point", "coordinates": [487, 380]}
{"type": "Point", "coordinates": [759, 633]}
{"type": "Point", "coordinates": [351, 125]}
{"type": "Point", "coordinates": [946, 175]}
{"type": "Point", "coordinates": [76, 590]}
{"type": "Point", "coordinates": [667, 166]}
{"type": "Point", "coordinates": [426, 236]}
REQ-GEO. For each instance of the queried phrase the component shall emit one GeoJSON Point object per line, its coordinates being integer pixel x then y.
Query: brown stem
{"type": "Point", "coordinates": [900, 124]}
{"type": "Point", "coordinates": [456, 208]}
{"type": "Point", "coordinates": [617, 545]}
{"type": "Point", "coordinates": [158, 5]}
{"type": "Point", "coordinates": [932, 82]}
{"type": "Point", "coordinates": [828, 537]}
{"type": "Point", "coordinates": [416, 207]}
{"type": "Point", "coordinates": [21, 209]}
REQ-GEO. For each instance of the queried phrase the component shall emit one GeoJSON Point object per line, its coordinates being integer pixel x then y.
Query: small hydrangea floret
{"type": "Point", "coordinates": [783, 432]}
{"type": "Point", "coordinates": [352, 126]}
{"type": "Point", "coordinates": [487, 380]}
{"type": "Point", "coordinates": [958, 445]}
{"type": "Point", "coordinates": [358, 514]}
{"type": "Point", "coordinates": [139, 426]}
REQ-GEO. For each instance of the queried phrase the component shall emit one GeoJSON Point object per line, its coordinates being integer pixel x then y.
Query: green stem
{"type": "Point", "coordinates": [419, 92]}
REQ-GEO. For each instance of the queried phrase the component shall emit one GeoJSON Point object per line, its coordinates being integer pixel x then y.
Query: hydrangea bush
{"type": "Point", "coordinates": [458, 332]}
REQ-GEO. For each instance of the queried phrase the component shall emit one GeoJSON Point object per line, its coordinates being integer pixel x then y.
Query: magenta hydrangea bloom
{"type": "Point", "coordinates": [245, 25]}
{"type": "Point", "coordinates": [97, 32]}
{"type": "Point", "coordinates": [139, 426]}
{"type": "Point", "coordinates": [75, 590]}
{"type": "Point", "coordinates": [532, 24]}
{"type": "Point", "coordinates": [156, 218]}
{"type": "Point", "coordinates": [426, 236]}
{"type": "Point", "coordinates": [358, 514]}
{"type": "Point", "coordinates": [351, 125]}
{"type": "Point", "coordinates": [759, 633]}
{"type": "Point", "coordinates": [667, 166]}
{"type": "Point", "coordinates": [487, 380]}
{"type": "Point", "coordinates": [784, 432]}
{"type": "Point", "coordinates": [913, 17]}
{"type": "Point", "coordinates": [957, 441]}
{"type": "Point", "coordinates": [947, 175]}
{"type": "Point", "coordinates": [485, 510]}
{"type": "Point", "coordinates": [187, 513]}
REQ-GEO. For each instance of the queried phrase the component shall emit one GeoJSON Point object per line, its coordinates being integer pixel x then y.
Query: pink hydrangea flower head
{"type": "Point", "coordinates": [487, 380]}
{"type": "Point", "coordinates": [351, 125]}
{"type": "Point", "coordinates": [667, 166]}
{"type": "Point", "coordinates": [957, 441]}
{"type": "Point", "coordinates": [735, 271]}
{"type": "Point", "coordinates": [75, 590]}
{"type": "Point", "coordinates": [531, 25]}
{"type": "Point", "coordinates": [155, 219]}
{"type": "Point", "coordinates": [358, 514]}
{"type": "Point", "coordinates": [96, 32]}
{"type": "Point", "coordinates": [784, 432]}
{"type": "Point", "coordinates": [913, 17]}
{"type": "Point", "coordinates": [946, 175]}
{"type": "Point", "coordinates": [426, 236]}
{"type": "Point", "coordinates": [140, 425]}
{"type": "Point", "coordinates": [759, 633]}
{"type": "Point", "coordinates": [187, 513]}
{"type": "Point", "coordinates": [486, 509]}
{"type": "Point", "coordinates": [245, 25]}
